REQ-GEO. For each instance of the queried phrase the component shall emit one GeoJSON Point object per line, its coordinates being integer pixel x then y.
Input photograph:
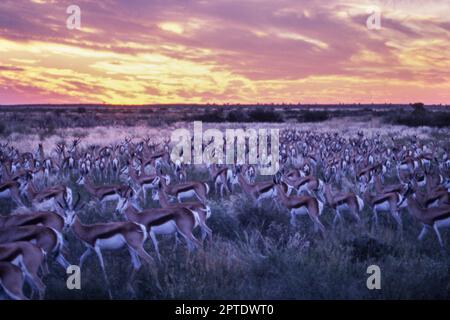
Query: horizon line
{"type": "Point", "coordinates": [225, 104]}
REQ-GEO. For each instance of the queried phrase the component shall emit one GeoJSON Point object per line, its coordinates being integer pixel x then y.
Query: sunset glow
{"type": "Point", "coordinates": [224, 51]}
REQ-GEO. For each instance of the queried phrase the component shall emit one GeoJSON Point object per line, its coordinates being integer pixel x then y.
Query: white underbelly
{"type": "Point", "coordinates": [18, 261]}
{"type": "Point", "coordinates": [186, 194]}
{"type": "Point", "coordinates": [445, 223]}
{"type": "Point", "coordinates": [267, 194]}
{"type": "Point", "coordinates": [384, 206]}
{"type": "Point", "coordinates": [166, 228]}
{"type": "Point", "coordinates": [422, 183]}
{"type": "Point", "coordinates": [303, 188]}
{"type": "Point", "coordinates": [113, 243]}
{"type": "Point", "coordinates": [343, 207]}
{"type": "Point", "coordinates": [300, 211]}
{"type": "Point", "coordinates": [46, 205]}
{"type": "Point", "coordinates": [148, 186]}
{"type": "Point", "coordinates": [5, 194]}
{"type": "Point", "coordinates": [112, 197]}
{"type": "Point", "coordinates": [435, 203]}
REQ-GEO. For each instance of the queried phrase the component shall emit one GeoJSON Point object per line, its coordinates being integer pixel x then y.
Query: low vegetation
{"type": "Point", "coordinates": [44, 121]}
{"type": "Point", "coordinates": [255, 254]}
{"type": "Point", "coordinates": [420, 117]}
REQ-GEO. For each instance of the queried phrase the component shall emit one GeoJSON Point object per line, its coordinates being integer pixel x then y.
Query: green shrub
{"type": "Point", "coordinates": [2, 128]}
{"type": "Point", "coordinates": [314, 116]}
{"type": "Point", "coordinates": [210, 117]}
{"type": "Point", "coordinates": [81, 110]}
{"type": "Point", "coordinates": [236, 116]}
{"type": "Point", "coordinates": [265, 116]}
{"type": "Point", "coordinates": [419, 118]}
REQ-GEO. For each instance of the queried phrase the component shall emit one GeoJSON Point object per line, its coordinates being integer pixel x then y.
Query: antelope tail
{"type": "Point", "coordinates": [207, 187]}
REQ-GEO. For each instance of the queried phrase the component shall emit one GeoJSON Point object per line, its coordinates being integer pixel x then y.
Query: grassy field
{"type": "Point", "coordinates": [255, 253]}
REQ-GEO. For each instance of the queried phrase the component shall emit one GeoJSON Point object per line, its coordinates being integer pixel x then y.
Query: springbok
{"type": "Point", "coordinates": [436, 198]}
{"type": "Point", "coordinates": [185, 190]}
{"type": "Point", "coordinates": [307, 184]}
{"type": "Point", "coordinates": [381, 189]}
{"type": "Point", "coordinates": [431, 218]}
{"type": "Point", "coordinates": [302, 205]}
{"type": "Point", "coordinates": [386, 202]}
{"type": "Point", "coordinates": [104, 193]}
{"type": "Point", "coordinates": [168, 220]}
{"type": "Point", "coordinates": [29, 258]}
{"type": "Point", "coordinates": [11, 280]}
{"type": "Point", "coordinates": [11, 189]}
{"type": "Point", "coordinates": [143, 182]}
{"type": "Point", "coordinates": [48, 239]}
{"type": "Point", "coordinates": [432, 196]}
{"type": "Point", "coordinates": [201, 211]}
{"type": "Point", "coordinates": [112, 236]}
{"type": "Point", "coordinates": [346, 202]}
{"type": "Point", "coordinates": [259, 190]}
{"type": "Point", "coordinates": [219, 176]}
{"type": "Point", "coordinates": [45, 218]}
{"type": "Point", "coordinates": [46, 199]}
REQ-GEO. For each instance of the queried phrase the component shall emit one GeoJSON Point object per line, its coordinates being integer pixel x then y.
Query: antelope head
{"type": "Point", "coordinates": [70, 212]}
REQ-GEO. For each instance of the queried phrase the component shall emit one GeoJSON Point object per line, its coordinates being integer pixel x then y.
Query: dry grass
{"type": "Point", "coordinates": [255, 254]}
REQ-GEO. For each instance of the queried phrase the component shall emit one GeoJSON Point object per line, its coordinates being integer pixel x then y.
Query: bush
{"type": "Point", "coordinates": [265, 116]}
{"type": "Point", "coordinates": [418, 117]}
{"type": "Point", "coordinates": [2, 128]}
{"type": "Point", "coordinates": [58, 112]}
{"type": "Point", "coordinates": [266, 219]}
{"type": "Point", "coordinates": [365, 248]}
{"type": "Point", "coordinates": [236, 116]}
{"type": "Point", "coordinates": [47, 127]}
{"type": "Point", "coordinates": [418, 107]}
{"type": "Point", "coordinates": [223, 223]}
{"type": "Point", "coordinates": [144, 110]}
{"type": "Point", "coordinates": [421, 117]}
{"type": "Point", "coordinates": [210, 117]}
{"type": "Point", "coordinates": [314, 116]}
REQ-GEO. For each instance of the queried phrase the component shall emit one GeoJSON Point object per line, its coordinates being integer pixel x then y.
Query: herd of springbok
{"type": "Point", "coordinates": [152, 195]}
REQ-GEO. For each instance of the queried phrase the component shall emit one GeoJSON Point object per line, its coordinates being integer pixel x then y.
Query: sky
{"type": "Point", "coordinates": [225, 51]}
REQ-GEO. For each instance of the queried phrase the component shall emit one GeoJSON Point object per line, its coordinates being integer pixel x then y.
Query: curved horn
{"type": "Point", "coordinates": [65, 200]}
{"type": "Point", "coordinates": [59, 203]}
{"type": "Point", "coordinates": [77, 201]}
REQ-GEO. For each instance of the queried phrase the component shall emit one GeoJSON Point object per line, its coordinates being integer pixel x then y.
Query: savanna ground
{"type": "Point", "coordinates": [255, 253]}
